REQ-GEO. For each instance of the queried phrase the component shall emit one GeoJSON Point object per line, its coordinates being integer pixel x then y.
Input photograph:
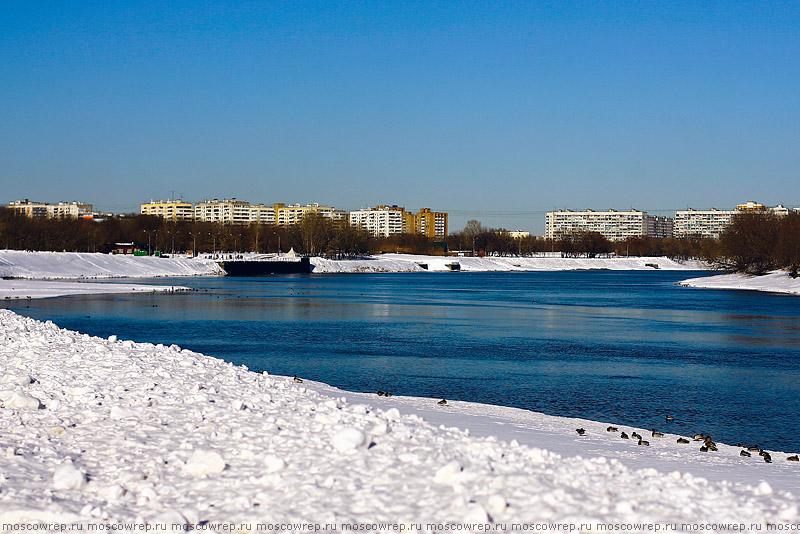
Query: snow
{"type": "Point", "coordinates": [82, 265]}
{"type": "Point", "coordinates": [133, 432]}
{"type": "Point", "coordinates": [774, 282]}
{"type": "Point", "coordinates": [550, 262]}
{"type": "Point", "coordinates": [43, 274]}
{"type": "Point", "coordinates": [26, 289]}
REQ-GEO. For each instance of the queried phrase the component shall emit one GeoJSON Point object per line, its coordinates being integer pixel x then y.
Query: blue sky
{"type": "Point", "coordinates": [497, 111]}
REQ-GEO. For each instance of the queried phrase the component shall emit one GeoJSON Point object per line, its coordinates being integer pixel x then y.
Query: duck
{"type": "Point", "coordinates": [703, 449]}
{"type": "Point", "coordinates": [768, 458]}
{"type": "Point", "coordinates": [442, 402]}
{"type": "Point", "coordinates": [682, 440]}
{"type": "Point", "coordinates": [657, 434]}
{"type": "Point", "coordinates": [611, 429]}
{"type": "Point", "coordinates": [794, 458]}
{"type": "Point", "coordinates": [381, 393]}
{"type": "Point", "coordinates": [745, 454]}
{"type": "Point", "coordinates": [753, 448]}
{"type": "Point", "coordinates": [580, 431]}
{"type": "Point", "coordinates": [635, 435]}
{"type": "Point", "coordinates": [624, 436]}
{"type": "Point", "coordinates": [644, 443]}
{"type": "Point", "coordinates": [698, 437]}
{"type": "Point", "coordinates": [387, 394]}
{"type": "Point", "coordinates": [669, 418]}
{"type": "Point", "coordinates": [298, 380]}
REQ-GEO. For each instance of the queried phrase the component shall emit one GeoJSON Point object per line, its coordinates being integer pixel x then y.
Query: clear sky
{"type": "Point", "coordinates": [497, 111]}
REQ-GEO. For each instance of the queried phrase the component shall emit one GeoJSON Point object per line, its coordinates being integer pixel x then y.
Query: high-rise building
{"type": "Point", "coordinates": [62, 210]}
{"type": "Point", "coordinates": [171, 210]}
{"type": "Point", "coordinates": [613, 225]}
{"type": "Point", "coordinates": [227, 211]}
{"type": "Point", "coordinates": [432, 224]}
{"type": "Point", "coordinates": [382, 220]}
{"type": "Point", "coordinates": [294, 213]}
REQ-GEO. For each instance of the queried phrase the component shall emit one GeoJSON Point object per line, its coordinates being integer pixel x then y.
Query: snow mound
{"type": "Point", "coordinates": [83, 265]}
{"type": "Point", "coordinates": [773, 282]}
{"type": "Point", "coordinates": [135, 432]}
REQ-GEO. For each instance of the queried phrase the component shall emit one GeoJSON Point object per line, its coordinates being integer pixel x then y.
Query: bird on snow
{"type": "Point", "coordinates": [298, 380]}
{"type": "Point", "coordinates": [611, 429]}
{"type": "Point", "coordinates": [745, 454]}
{"type": "Point", "coordinates": [794, 458]}
{"type": "Point", "coordinates": [683, 440]}
{"type": "Point", "coordinates": [580, 431]}
{"type": "Point", "coordinates": [644, 443]}
{"type": "Point", "coordinates": [624, 436]}
{"type": "Point", "coordinates": [657, 434]}
{"type": "Point", "coordinates": [442, 402]}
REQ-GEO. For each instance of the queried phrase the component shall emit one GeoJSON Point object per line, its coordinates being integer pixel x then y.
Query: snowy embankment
{"type": "Point", "coordinates": [775, 282]}
{"type": "Point", "coordinates": [83, 265]}
{"type": "Point", "coordinates": [42, 274]}
{"type": "Point", "coordinates": [107, 431]}
{"type": "Point", "coordinates": [414, 263]}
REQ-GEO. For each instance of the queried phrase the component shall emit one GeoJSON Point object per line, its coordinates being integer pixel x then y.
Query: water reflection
{"type": "Point", "coordinates": [622, 347]}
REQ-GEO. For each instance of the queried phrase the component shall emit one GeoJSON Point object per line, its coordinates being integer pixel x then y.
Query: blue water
{"type": "Point", "coordinates": [623, 347]}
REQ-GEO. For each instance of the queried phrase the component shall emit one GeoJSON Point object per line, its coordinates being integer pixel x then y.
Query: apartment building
{"type": "Point", "coordinates": [711, 223]}
{"type": "Point", "coordinates": [226, 211]}
{"type": "Point", "coordinates": [432, 224]}
{"type": "Point", "coordinates": [383, 221]}
{"type": "Point", "coordinates": [171, 210]}
{"type": "Point", "coordinates": [613, 225]}
{"type": "Point", "coordinates": [660, 227]}
{"type": "Point", "coordinates": [62, 210]}
{"type": "Point", "coordinates": [294, 213]}
{"type": "Point", "coordinates": [262, 214]}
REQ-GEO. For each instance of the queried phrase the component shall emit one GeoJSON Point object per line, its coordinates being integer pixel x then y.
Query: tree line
{"type": "Point", "coordinates": [755, 242]}
{"type": "Point", "coordinates": [759, 242]}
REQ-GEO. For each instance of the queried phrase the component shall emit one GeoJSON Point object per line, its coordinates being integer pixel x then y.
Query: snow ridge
{"type": "Point", "coordinates": [107, 431]}
{"type": "Point", "coordinates": [414, 263]}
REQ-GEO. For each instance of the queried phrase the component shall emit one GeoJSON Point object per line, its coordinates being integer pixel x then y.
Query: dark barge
{"type": "Point", "coordinates": [258, 267]}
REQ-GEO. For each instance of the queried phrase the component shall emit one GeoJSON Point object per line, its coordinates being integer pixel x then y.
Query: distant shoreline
{"type": "Point", "coordinates": [773, 282]}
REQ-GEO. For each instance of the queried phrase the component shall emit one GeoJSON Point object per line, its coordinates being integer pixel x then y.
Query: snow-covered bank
{"type": "Point", "coordinates": [412, 263]}
{"type": "Point", "coordinates": [82, 265]}
{"type": "Point", "coordinates": [774, 282]}
{"type": "Point", "coordinates": [101, 430]}
{"type": "Point", "coordinates": [35, 289]}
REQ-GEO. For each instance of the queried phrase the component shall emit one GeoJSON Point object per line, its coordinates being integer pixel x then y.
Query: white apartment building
{"type": "Point", "coordinates": [62, 210]}
{"type": "Point", "coordinates": [223, 211]}
{"type": "Point", "coordinates": [702, 223]}
{"type": "Point", "coordinates": [380, 220]}
{"type": "Point", "coordinates": [613, 225]}
{"type": "Point", "coordinates": [711, 223]}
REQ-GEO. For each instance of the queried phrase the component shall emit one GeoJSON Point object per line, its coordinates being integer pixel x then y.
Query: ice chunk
{"type": "Point", "coordinates": [348, 439]}
{"type": "Point", "coordinates": [22, 400]}
{"type": "Point", "coordinates": [204, 463]}
{"type": "Point", "coordinates": [67, 477]}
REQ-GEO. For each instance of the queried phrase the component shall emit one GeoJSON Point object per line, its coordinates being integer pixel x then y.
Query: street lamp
{"type": "Point", "coordinates": [149, 233]}
{"type": "Point", "coordinates": [279, 242]}
{"type": "Point", "coordinates": [194, 244]}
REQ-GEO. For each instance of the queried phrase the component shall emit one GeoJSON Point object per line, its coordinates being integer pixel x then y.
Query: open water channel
{"type": "Point", "coordinates": [621, 347]}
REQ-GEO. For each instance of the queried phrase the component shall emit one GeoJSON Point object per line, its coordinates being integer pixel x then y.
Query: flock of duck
{"type": "Point", "coordinates": [708, 442]}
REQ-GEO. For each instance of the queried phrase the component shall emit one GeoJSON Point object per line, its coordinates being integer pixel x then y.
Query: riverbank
{"type": "Point", "coordinates": [773, 282]}
{"type": "Point", "coordinates": [549, 262]}
{"type": "Point", "coordinates": [106, 431]}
